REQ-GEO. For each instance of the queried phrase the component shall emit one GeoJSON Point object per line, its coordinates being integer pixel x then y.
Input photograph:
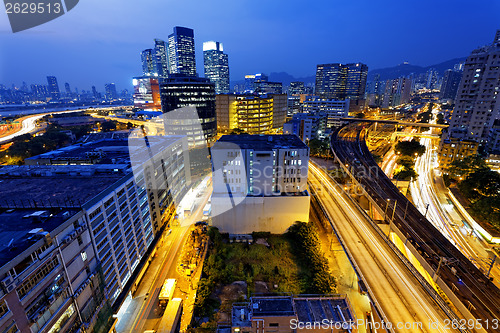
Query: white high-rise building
{"type": "Point", "coordinates": [477, 104]}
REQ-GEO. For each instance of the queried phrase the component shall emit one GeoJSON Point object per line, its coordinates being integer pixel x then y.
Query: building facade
{"type": "Point", "coordinates": [148, 63]}
{"type": "Point", "coordinates": [181, 56]}
{"type": "Point", "coordinates": [341, 81]}
{"type": "Point", "coordinates": [53, 88]}
{"type": "Point", "coordinates": [178, 92]}
{"type": "Point", "coordinates": [251, 114]}
{"type": "Point", "coordinates": [259, 183]}
{"type": "Point", "coordinates": [307, 126]}
{"type": "Point", "coordinates": [49, 270]}
{"type": "Point", "coordinates": [452, 149]}
{"type": "Point", "coordinates": [147, 93]}
{"type": "Point", "coordinates": [397, 92]}
{"type": "Point", "coordinates": [160, 59]}
{"type": "Point", "coordinates": [292, 314]}
{"type": "Point", "coordinates": [334, 109]}
{"type": "Point", "coordinates": [477, 104]}
{"type": "Point", "coordinates": [449, 87]}
{"type": "Point", "coordinates": [216, 66]}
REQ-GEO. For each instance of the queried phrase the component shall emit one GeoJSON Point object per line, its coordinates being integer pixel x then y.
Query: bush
{"type": "Point", "coordinates": [320, 281]}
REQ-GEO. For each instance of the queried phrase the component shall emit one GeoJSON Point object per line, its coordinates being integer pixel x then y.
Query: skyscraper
{"type": "Point", "coordinates": [68, 89]}
{"type": "Point", "coordinates": [356, 81]}
{"type": "Point", "coordinates": [449, 88]}
{"type": "Point", "coordinates": [339, 81]}
{"type": "Point", "coordinates": [181, 91]}
{"type": "Point", "coordinates": [216, 66]}
{"type": "Point", "coordinates": [53, 88]}
{"type": "Point", "coordinates": [148, 63]}
{"type": "Point", "coordinates": [397, 92]}
{"type": "Point", "coordinates": [160, 58]}
{"type": "Point", "coordinates": [432, 79]}
{"type": "Point", "coordinates": [477, 105]}
{"type": "Point", "coordinates": [331, 81]}
{"type": "Point", "coordinates": [181, 58]}
{"type": "Point", "coordinates": [110, 91]}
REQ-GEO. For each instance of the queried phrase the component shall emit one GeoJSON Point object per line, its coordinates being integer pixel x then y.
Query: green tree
{"type": "Point", "coordinates": [237, 131]}
{"type": "Point", "coordinates": [464, 167]}
{"type": "Point", "coordinates": [108, 126]}
{"type": "Point", "coordinates": [410, 148]}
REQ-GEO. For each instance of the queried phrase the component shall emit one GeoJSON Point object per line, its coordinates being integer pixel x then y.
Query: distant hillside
{"type": "Point", "coordinates": [407, 69]}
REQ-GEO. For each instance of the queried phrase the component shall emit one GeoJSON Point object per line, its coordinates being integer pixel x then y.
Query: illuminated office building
{"type": "Point", "coordinates": [160, 58]}
{"type": "Point", "coordinates": [53, 88]}
{"type": "Point", "coordinates": [339, 81]}
{"type": "Point", "coordinates": [216, 66]}
{"type": "Point", "coordinates": [181, 56]}
{"type": "Point", "coordinates": [148, 63]}
{"type": "Point", "coordinates": [182, 91]}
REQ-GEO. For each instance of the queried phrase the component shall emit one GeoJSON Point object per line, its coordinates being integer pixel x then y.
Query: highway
{"type": "Point", "coordinates": [28, 126]}
{"type": "Point", "coordinates": [446, 217]}
{"type": "Point", "coordinates": [470, 286]}
{"type": "Point", "coordinates": [401, 297]}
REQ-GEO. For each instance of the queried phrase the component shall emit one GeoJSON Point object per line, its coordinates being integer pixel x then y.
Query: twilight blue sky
{"type": "Point", "coordinates": [99, 41]}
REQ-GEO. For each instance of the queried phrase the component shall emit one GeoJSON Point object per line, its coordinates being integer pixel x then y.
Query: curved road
{"type": "Point", "coordinates": [400, 296]}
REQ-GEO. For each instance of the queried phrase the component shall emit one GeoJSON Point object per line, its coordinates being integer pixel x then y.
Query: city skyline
{"type": "Point", "coordinates": [62, 43]}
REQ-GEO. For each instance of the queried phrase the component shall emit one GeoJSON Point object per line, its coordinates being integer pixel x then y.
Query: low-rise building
{"type": "Point", "coordinates": [452, 149]}
{"type": "Point", "coordinates": [259, 183]}
{"type": "Point", "coordinates": [334, 109]}
{"type": "Point", "coordinates": [294, 314]}
{"type": "Point", "coordinates": [307, 126]}
{"type": "Point", "coordinates": [103, 203]}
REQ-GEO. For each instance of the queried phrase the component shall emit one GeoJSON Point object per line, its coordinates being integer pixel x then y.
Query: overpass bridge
{"type": "Point", "coordinates": [390, 121]}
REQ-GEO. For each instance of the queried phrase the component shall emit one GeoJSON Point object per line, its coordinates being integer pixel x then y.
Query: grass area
{"type": "Point", "coordinates": [289, 263]}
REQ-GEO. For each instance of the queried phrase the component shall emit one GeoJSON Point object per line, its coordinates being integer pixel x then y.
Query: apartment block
{"type": "Point", "coordinates": [260, 183]}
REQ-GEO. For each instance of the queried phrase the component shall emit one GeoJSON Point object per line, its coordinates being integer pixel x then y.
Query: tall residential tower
{"type": "Point", "coordinates": [477, 104]}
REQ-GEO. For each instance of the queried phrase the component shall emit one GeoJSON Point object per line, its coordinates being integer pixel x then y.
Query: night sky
{"type": "Point", "coordinates": [99, 41]}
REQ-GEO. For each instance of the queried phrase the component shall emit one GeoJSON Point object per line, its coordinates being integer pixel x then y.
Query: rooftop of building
{"type": "Point", "coordinates": [182, 78]}
{"type": "Point", "coordinates": [272, 306]}
{"type": "Point", "coordinates": [335, 308]}
{"type": "Point", "coordinates": [311, 309]}
{"type": "Point", "coordinates": [54, 185]}
{"type": "Point", "coordinates": [105, 150]}
{"type": "Point", "coordinates": [262, 141]}
{"type": "Point", "coordinates": [22, 227]}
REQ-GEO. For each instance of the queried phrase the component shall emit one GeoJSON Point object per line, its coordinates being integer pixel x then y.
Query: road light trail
{"type": "Point", "coordinates": [400, 295]}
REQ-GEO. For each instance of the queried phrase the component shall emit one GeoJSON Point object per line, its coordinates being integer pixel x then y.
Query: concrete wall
{"type": "Point", "coordinates": [272, 214]}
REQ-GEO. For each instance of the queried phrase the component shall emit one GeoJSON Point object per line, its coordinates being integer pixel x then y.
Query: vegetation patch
{"type": "Point", "coordinates": [291, 263]}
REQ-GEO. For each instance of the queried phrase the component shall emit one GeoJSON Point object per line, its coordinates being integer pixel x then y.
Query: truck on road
{"type": "Point", "coordinates": [167, 291]}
